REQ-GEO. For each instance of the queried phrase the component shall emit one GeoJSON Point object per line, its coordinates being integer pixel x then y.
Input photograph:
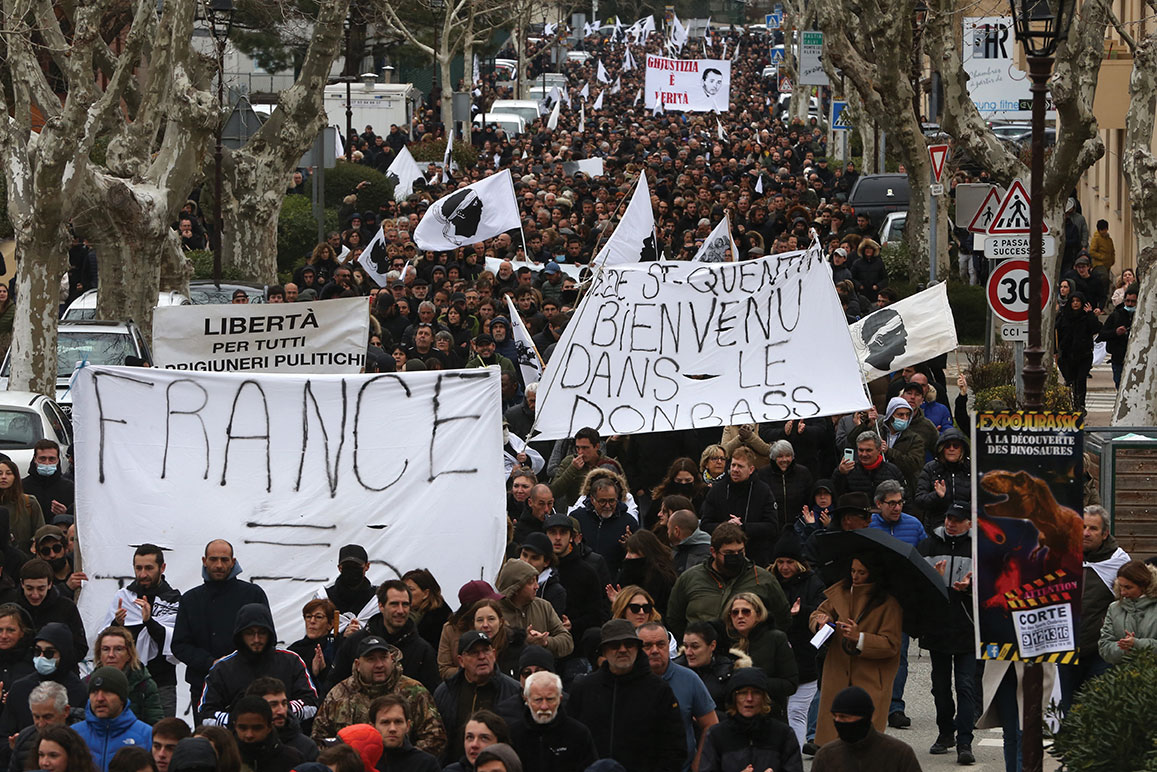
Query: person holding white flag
{"type": "Point", "coordinates": [552, 121]}
{"type": "Point", "coordinates": [528, 361]}
{"type": "Point", "coordinates": [404, 171]}
{"type": "Point", "coordinates": [470, 214]}
{"type": "Point", "coordinates": [719, 241]}
{"type": "Point", "coordinates": [634, 238]}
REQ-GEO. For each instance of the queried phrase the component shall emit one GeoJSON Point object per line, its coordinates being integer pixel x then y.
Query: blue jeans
{"type": "Point", "coordinates": [954, 718]}
{"type": "Point", "coordinates": [901, 678]}
{"type": "Point", "coordinates": [813, 713]}
{"type": "Point", "coordinates": [1009, 712]}
{"type": "Point", "coordinates": [1117, 368]}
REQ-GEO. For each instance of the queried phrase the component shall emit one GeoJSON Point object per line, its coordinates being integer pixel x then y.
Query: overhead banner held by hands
{"type": "Point", "coordinates": [667, 346]}
{"type": "Point", "coordinates": [688, 85]}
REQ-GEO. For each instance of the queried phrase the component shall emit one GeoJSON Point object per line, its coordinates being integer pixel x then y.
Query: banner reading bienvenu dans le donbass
{"type": "Point", "coordinates": [324, 336]}
{"type": "Point", "coordinates": [1028, 487]}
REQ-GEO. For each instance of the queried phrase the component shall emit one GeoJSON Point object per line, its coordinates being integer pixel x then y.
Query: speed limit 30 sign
{"type": "Point", "coordinates": [1007, 291]}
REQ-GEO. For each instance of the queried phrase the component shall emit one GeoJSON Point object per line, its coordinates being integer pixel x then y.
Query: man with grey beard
{"type": "Point", "coordinates": [545, 738]}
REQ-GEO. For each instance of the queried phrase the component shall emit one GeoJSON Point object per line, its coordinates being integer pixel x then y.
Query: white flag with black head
{"type": "Point", "coordinates": [598, 105]}
{"type": "Point", "coordinates": [374, 259]}
{"type": "Point", "coordinates": [601, 72]}
{"type": "Point", "coordinates": [552, 121]}
{"type": "Point", "coordinates": [471, 214]}
{"type": "Point", "coordinates": [634, 238]}
{"type": "Point", "coordinates": [628, 60]}
{"type": "Point", "coordinates": [403, 171]}
{"type": "Point", "coordinates": [718, 242]}
{"type": "Point", "coordinates": [906, 332]}
{"type": "Point", "coordinates": [617, 86]}
{"type": "Point", "coordinates": [529, 363]}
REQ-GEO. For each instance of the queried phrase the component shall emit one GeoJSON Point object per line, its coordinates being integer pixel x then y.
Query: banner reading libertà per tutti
{"type": "Point", "coordinates": [1028, 487]}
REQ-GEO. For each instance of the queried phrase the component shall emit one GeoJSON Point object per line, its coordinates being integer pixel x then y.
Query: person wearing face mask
{"type": "Point", "coordinates": [745, 500]}
{"type": "Point", "coordinates": [54, 659]}
{"type": "Point", "coordinates": [352, 593]}
{"type": "Point", "coordinates": [903, 444]}
{"type": "Point", "coordinates": [648, 564]}
{"type": "Point", "coordinates": [860, 745]}
{"type": "Point", "coordinates": [46, 483]}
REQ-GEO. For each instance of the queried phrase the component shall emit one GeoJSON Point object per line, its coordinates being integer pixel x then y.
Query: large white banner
{"type": "Point", "coordinates": [677, 345]}
{"type": "Point", "coordinates": [288, 469]}
{"type": "Point", "coordinates": [688, 85]}
{"type": "Point", "coordinates": [322, 336]}
{"type": "Point", "coordinates": [907, 332]}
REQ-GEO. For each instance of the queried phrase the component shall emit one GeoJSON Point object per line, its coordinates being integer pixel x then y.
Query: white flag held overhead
{"type": "Point", "coordinates": [477, 70]}
{"type": "Point", "coordinates": [724, 56]}
{"type": "Point", "coordinates": [404, 169]}
{"type": "Point", "coordinates": [714, 249]}
{"type": "Point", "coordinates": [719, 129]}
{"type": "Point", "coordinates": [586, 91]}
{"type": "Point", "coordinates": [906, 332]}
{"type": "Point", "coordinates": [338, 145]}
{"type": "Point", "coordinates": [633, 240]}
{"type": "Point", "coordinates": [552, 121]}
{"type": "Point", "coordinates": [448, 157]}
{"type": "Point", "coordinates": [601, 72]}
{"type": "Point", "coordinates": [598, 105]}
{"type": "Point", "coordinates": [471, 214]}
{"type": "Point", "coordinates": [628, 60]}
{"type": "Point", "coordinates": [638, 96]}
{"type": "Point", "coordinates": [529, 362]}
{"type": "Point", "coordinates": [582, 117]}
{"type": "Point", "coordinates": [759, 183]}
{"type": "Point", "coordinates": [617, 86]}
{"type": "Point", "coordinates": [374, 259]}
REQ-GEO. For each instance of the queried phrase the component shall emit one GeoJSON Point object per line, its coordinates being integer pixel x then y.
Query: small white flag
{"type": "Point", "coordinates": [638, 96]}
{"type": "Point", "coordinates": [601, 72]}
{"type": "Point", "coordinates": [338, 145]}
{"type": "Point", "coordinates": [725, 42]}
{"type": "Point", "coordinates": [714, 249]}
{"type": "Point", "coordinates": [552, 122]}
{"type": "Point", "coordinates": [374, 259]}
{"type": "Point", "coordinates": [404, 169]}
{"type": "Point", "coordinates": [628, 60]}
{"type": "Point", "coordinates": [633, 240]}
{"type": "Point", "coordinates": [586, 91]}
{"type": "Point", "coordinates": [598, 105]}
{"type": "Point", "coordinates": [582, 117]}
{"type": "Point", "coordinates": [448, 157]}
{"type": "Point", "coordinates": [759, 183]}
{"type": "Point", "coordinates": [659, 107]}
{"type": "Point", "coordinates": [477, 70]}
{"type": "Point", "coordinates": [470, 214]}
{"type": "Point", "coordinates": [719, 129]}
{"type": "Point", "coordinates": [617, 86]}
{"type": "Point", "coordinates": [528, 361]}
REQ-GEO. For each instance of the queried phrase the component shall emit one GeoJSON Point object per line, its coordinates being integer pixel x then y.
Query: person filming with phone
{"type": "Point", "coordinates": [863, 467]}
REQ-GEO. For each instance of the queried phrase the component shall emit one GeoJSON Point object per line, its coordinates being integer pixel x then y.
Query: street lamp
{"type": "Point", "coordinates": [1039, 25]}
{"type": "Point", "coordinates": [220, 17]}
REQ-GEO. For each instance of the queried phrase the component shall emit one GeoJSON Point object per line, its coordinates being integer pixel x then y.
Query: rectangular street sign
{"type": "Point", "coordinates": [1014, 333]}
{"type": "Point", "coordinates": [1004, 247]}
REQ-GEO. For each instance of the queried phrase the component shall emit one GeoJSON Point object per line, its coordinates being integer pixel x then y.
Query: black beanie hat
{"type": "Point", "coordinates": [854, 701]}
{"type": "Point", "coordinates": [747, 678]}
{"type": "Point", "coordinates": [789, 546]}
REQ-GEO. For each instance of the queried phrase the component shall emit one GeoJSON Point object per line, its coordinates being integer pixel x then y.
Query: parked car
{"type": "Point", "coordinates": [90, 342]}
{"type": "Point", "coordinates": [878, 194]}
{"type": "Point", "coordinates": [84, 307]}
{"type": "Point", "coordinates": [512, 124]}
{"type": "Point", "coordinates": [527, 109]}
{"type": "Point", "coordinates": [205, 292]}
{"type": "Point", "coordinates": [25, 419]}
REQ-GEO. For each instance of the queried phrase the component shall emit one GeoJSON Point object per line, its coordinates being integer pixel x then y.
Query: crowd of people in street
{"type": "Point", "coordinates": [667, 601]}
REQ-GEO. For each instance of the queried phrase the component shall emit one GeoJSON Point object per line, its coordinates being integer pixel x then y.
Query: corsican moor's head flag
{"type": "Point", "coordinates": [906, 332]}
{"type": "Point", "coordinates": [634, 238]}
{"type": "Point", "coordinates": [714, 249]}
{"type": "Point", "coordinates": [471, 214]}
{"type": "Point", "coordinates": [374, 259]}
{"type": "Point", "coordinates": [404, 170]}
{"type": "Point", "coordinates": [528, 362]}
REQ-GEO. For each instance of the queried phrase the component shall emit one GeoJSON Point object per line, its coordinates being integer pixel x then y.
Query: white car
{"type": "Point", "coordinates": [527, 108]}
{"type": "Point", "coordinates": [512, 124]}
{"type": "Point", "coordinates": [25, 418]}
{"type": "Point", "coordinates": [84, 307]}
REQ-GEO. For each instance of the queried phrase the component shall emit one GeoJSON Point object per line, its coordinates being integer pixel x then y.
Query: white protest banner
{"type": "Point", "coordinates": [664, 346]}
{"type": "Point", "coordinates": [592, 167]}
{"type": "Point", "coordinates": [288, 469]}
{"type": "Point", "coordinates": [323, 336]}
{"type": "Point", "coordinates": [529, 362]}
{"type": "Point", "coordinates": [688, 85]}
{"type": "Point", "coordinates": [715, 247]}
{"type": "Point", "coordinates": [469, 215]}
{"type": "Point", "coordinates": [908, 331]}
{"type": "Point", "coordinates": [570, 269]}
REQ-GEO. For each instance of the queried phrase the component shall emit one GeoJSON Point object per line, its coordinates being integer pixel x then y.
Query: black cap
{"type": "Point", "coordinates": [484, 339]}
{"type": "Point", "coordinates": [471, 639]}
{"type": "Point", "coordinates": [353, 553]}
{"type": "Point", "coordinates": [913, 386]}
{"type": "Point", "coordinates": [538, 543]}
{"type": "Point", "coordinates": [558, 521]}
{"type": "Point", "coordinates": [537, 656]}
{"type": "Point", "coordinates": [374, 643]}
{"type": "Point", "coordinates": [959, 512]}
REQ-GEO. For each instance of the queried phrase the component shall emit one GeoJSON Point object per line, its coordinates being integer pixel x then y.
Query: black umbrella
{"type": "Point", "coordinates": [905, 573]}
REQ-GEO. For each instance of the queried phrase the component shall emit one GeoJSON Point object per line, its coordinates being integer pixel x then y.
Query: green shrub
{"type": "Point", "coordinates": [202, 260]}
{"type": "Point", "coordinates": [343, 179]}
{"type": "Point", "coordinates": [297, 230]}
{"type": "Point", "coordinates": [464, 154]}
{"type": "Point", "coordinates": [969, 310]}
{"type": "Point", "coordinates": [994, 384]}
{"type": "Point", "coordinates": [895, 256]}
{"type": "Point", "coordinates": [1110, 726]}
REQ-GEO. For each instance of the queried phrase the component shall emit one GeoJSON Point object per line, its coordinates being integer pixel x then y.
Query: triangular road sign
{"type": "Point", "coordinates": [938, 155]}
{"type": "Point", "coordinates": [986, 214]}
{"type": "Point", "coordinates": [1012, 217]}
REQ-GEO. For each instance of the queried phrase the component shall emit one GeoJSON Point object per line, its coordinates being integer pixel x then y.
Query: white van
{"type": "Point", "coordinates": [512, 124]}
{"type": "Point", "coordinates": [527, 108]}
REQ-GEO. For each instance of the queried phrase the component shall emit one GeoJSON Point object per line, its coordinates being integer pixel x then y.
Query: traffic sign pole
{"type": "Point", "coordinates": [937, 154]}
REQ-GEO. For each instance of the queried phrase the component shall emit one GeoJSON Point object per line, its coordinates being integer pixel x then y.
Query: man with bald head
{"type": "Point", "coordinates": [204, 629]}
{"type": "Point", "coordinates": [291, 291]}
{"type": "Point", "coordinates": [539, 506]}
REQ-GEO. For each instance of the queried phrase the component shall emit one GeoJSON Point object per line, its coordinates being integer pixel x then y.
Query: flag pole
{"type": "Point", "coordinates": [513, 195]}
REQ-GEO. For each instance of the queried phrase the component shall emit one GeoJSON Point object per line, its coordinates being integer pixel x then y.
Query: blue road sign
{"type": "Point", "coordinates": [774, 20]}
{"type": "Point", "coordinates": [840, 120]}
{"type": "Point", "coordinates": [776, 54]}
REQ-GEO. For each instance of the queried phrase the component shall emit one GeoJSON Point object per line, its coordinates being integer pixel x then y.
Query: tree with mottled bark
{"type": "Point", "coordinates": [1137, 397]}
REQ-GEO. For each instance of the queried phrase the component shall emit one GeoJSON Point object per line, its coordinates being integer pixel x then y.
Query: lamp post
{"type": "Point", "coordinates": [1039, 25]}
{"type": "Point", "coordinates": [220, 18]}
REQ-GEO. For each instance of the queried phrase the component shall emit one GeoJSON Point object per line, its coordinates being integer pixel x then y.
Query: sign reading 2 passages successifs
{"type": "Point", "coordinates": [688, 85]}
{"type": "Point", "coordinates": [663, 346]}
{"type": "Point", "coordinates": [325, 336]}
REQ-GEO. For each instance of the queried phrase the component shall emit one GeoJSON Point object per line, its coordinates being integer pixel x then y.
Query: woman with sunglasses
{"type": "Point", "coordinates": [752, 632]}
{"type": "Point", "coordinates": [636, 605]}
{"type": "Point", "coordinates": [25, 517]}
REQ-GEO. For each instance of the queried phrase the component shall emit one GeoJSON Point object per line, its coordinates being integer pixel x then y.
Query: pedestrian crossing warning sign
{"type": "Point", "coordinates": [1012, 216]}
{"type": "Point", "coordinates": [986, 213]}
{"type": "Point", "coordinates": [840, 120]}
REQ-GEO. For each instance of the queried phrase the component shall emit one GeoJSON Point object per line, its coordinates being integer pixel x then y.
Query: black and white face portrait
{"type": "Point", "coordinates": [886, 338]}
{"type": "Point", "coordinates": [712, 81]}
{"type": "Point", "coordinates": [460, 214]}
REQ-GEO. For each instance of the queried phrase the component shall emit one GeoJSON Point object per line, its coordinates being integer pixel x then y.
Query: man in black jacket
{"type": "Point", "coordinates": [586, 602]}
{"type": "Point", "coordinates": [393, 624]}
{"type": "Point", "coordinates": [204, 626]}
{"type": "Point", "coordinates": [949, 550]}
{"type": "Point", "coordinates": [256, 655]}
{"type": "Point", "coordinates": [390, 715]}
{"type": "Point", "coordinates": [288, 728]}
{"type": "Point", "coordinates": [46, 483]}
{"type": "Point", "coordinates": [1115, 332]}
{"type": "Point", "coordinates": [477, 685]}
{"type": "Point", "coordinates": [544, 736]}
{"type": "Point", "coordinates": [631, 712]}
{"type": "Point", "coordinates": [55, 660]}
{"type": "Point", "coordinates": [45, 604]}
{"type": "Point", "coordinates": [743, 499]}
{"type": "Point", "coordinates": [868, 470]}
{"type": "Point", "coordinates": [260, 748]}
{"type": "Point", "coordinates": [352, 592]}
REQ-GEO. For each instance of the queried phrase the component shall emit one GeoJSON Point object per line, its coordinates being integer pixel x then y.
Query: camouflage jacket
{"type": "Point", "coordinates": [349, 703]}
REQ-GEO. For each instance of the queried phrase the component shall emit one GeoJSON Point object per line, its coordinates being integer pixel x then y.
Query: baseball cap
{"type": "Point", "coordinates": [551, 268]}
{"type": "Point", "coordinates": [484, 339]}
{"type": "Point", "coordinates": [558, 521]}
{"type": "Point", "coordinates": [473, 638]}
{"type": "Point", "coordinates": [354, 553]}
{"type": "Point", "coordinates": [374, 643]}
{"type": "Point", "coordinates": [538, 543]}
{"type": "Point", "coordinates": [48, 532]}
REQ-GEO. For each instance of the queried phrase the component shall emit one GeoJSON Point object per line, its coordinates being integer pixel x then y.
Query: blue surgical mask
{"type": "Point", "coordinates": [899, 424]}
{"type": "Point", "coordinates": [44, 666]}
{"type": "Point", "coordinates": [46, 469]}
{"type": "Point", "coordinates": [1129, 309]}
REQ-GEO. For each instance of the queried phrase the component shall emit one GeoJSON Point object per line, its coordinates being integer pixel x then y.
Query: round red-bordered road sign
{"type": "Point", "coordinates": [1007, 290]}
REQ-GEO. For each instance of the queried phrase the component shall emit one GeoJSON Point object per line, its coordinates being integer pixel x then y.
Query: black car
{"type": "Point", "coordinates": [878, 194]}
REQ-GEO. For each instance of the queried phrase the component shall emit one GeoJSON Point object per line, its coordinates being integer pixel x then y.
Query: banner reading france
{"type": "Point", "coordinates": [688, 85]}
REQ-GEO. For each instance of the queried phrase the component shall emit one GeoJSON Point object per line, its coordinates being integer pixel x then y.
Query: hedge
{"type": "Point", "coordinates": [297, 230]}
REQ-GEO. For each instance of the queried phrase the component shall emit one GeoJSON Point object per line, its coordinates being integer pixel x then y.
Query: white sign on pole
{"type": "Point", "coordinates": [288, 469]}
{"type": "Point", "coordinates": [936, 189]}
{"type": "Point", "coordinates": [906, 332]}
{"type": "Point", "coordinates": [976, 204]}
{"type": "Point", "coordinates": [325, 336]}
{"type": "Point", "coordinates": [1012, 216]}
{"type": "Point", "coordinates": [996, 85]}
{"type": "Point", "coordinates": [1005, 247]}
{"type": "Point", "coordinates": [811, 66]}
{"type": "Point", "coordinates": [678, 345]}
{"type": "Point", "coordinates": [1008, 290]}
{"type": "Point", "coordinates": [688, 85]}
{"type": "Point", "coordinates": [1014, 333]}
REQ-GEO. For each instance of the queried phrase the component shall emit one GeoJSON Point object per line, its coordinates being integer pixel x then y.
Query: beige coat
{"type": "Point", "coordinates": [873, 668]}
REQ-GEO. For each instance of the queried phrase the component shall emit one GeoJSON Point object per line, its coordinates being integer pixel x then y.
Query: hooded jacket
{"type": "Point", "coordinates": [792, 489]}
{"type": "Point", "coordinates": [1131, 615]}
{"type": "Point", "coordinates": [204, 627]}
{"type": "Point", "coordinates": [586, 601]}
{"type": "Point", "coordinates": [106, 736]}
{"type": "Point", "coordinates": [57, 608]}
{"type": "Point", "coordinates": [16, 713]}
{"type": "Point", "coordinates": [46, 489]}
{"type": "Point", "coordinates": [957, 479]}
{"type": "Point", "coordinates": [231, 675]}
{"type": "Point", "coordinates": [692, 551]}
{"type": "Point", "coordinates": [604, 534]}
{"type": "Point", "coordinates": [560, 745]}
{"type": "Point", "coordinates": [760, 743]}
{"type": "Point", "coordinates": [539, 614]}
{"type": "Point", "coordinates": [955, 634]}
{"type": "Point", "coordinates": [753, 502]}
{"type": "Point", "coordinates": [421, 661]}
{"type": "Point", "coordinates": [634, 718]}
